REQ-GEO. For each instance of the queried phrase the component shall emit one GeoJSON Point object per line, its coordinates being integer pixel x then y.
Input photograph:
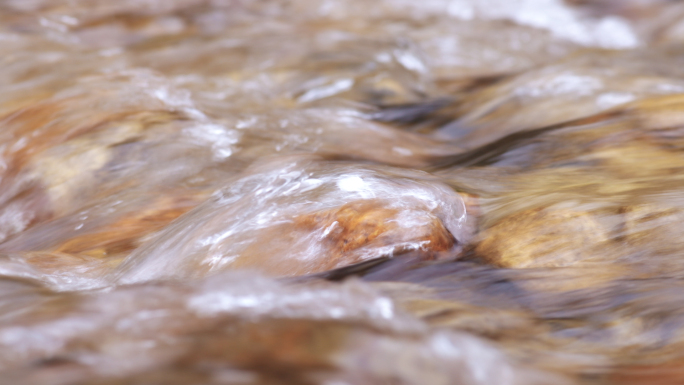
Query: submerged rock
{"type": "Point", "coordinates": [439, 192]}
{"type": "Point", "coordinates": [543, 238]}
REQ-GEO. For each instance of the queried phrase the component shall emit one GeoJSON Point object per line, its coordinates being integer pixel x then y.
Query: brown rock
{"type": "Point", "coordinates": [361, 223]}
{"type": "Point", "coordinates": [648, 374]}
{"type": "Point", "coordinates": [119, 238]}
{"type": "Point", "coordinates": [345, 235]}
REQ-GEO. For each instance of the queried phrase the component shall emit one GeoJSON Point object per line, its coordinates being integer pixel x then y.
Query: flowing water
{"type": "Point", "coordinates": [341, 192]}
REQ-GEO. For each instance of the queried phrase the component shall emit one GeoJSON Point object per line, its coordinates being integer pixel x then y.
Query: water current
{"type": "Point", "coordinates": [476, 192]}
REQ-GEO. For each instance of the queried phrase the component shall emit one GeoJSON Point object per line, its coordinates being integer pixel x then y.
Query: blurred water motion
{"type": "Point", "coordinates": [338, 192]}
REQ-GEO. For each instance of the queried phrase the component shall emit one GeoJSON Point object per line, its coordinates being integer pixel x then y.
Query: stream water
{"type": "Point", "coordinates": [341, 192]}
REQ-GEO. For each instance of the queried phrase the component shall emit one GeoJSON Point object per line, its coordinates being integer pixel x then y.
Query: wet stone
{"type": "Point", "coordinates": [545, 237]}
{"type": "Point", "coordinates": [335, 192]}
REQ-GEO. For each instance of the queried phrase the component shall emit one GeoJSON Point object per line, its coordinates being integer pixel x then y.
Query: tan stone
{"type": "Point", "coordinates": [541, 238]}
{"type": "Point", "coordinates": [654, 227]}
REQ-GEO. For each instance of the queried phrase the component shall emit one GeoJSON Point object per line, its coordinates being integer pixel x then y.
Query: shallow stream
{"type": "Point", "coordinates": [337, 192]}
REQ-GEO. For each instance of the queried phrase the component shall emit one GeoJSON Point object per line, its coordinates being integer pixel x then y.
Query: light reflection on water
{"type": "Point", "coordinates": [243, 192]}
